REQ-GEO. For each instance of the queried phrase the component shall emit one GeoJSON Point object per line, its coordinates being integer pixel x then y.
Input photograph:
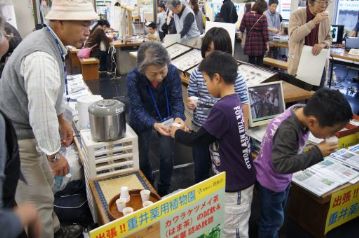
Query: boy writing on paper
{"type": "Point", "coordinates": [281, 151]}
{"type": "Point", "coordinates": [224, 130]}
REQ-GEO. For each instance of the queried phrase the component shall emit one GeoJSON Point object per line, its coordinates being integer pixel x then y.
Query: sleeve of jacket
{"type": "Point", "coordinates": [265, 28]}
{"type": "Point", "coordinates": [285, 158]}
{"type": "Point", "coordinates": [225, 12]}
{"type": "Point", "coordinates": [137, 109]}
{"type": "Point", "coordinates": [188, 21]}
{"type": "Point", "coordinates": [175, 89]}
{"type": "Point", "coordinates": [297, 30]}
{"type": "Point", "coordinates": [328, 38]}
{"type": "Point", "coordinates": [9, 223]}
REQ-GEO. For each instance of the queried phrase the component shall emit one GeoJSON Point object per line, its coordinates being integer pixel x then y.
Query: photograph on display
{"type": "Point", "coordinates": [176, 50]}
{"type": "Point", "coordinates": [188, 60]}
{"type": "Point", "coordinates": [266, 101]}
{"type": "Point", "coordinates": [254, 75]}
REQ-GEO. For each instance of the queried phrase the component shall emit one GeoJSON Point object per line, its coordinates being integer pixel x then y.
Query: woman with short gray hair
{"type": "Point", "coordinates": [154, 90]}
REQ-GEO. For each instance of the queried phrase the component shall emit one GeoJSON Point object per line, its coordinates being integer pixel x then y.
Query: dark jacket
{"type": "Point", "coordinates": [228, 12]}
{"type": "Point", "coordinates": [142, 111]}
{"type": "Point", "coordinates": [10, 224]}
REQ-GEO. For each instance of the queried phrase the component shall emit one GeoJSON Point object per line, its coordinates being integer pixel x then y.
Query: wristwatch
{"type": "Point", "coordinates": [55, 158]}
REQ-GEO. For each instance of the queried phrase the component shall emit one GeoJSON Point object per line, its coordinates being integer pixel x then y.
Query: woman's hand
{"type": "Point", "coordinates": [317, 48]}
{"type": "Point", "coordinates": [162, 129]}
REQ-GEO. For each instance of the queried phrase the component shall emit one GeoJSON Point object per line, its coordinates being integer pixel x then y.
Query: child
{"type": "Point", "coordinates": [216, 38]}
{"type": "Point", "coordinates": [152, 31]}
{"type": "Point", "coordinates": [225, 128]}
{"type": "Point", "coordinates": [281, 151]}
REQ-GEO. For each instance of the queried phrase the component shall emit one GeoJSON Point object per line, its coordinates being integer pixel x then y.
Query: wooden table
{"type": "Point", "coordinates": [291, 92]}
{"type": "Point", "coordinates": [310, 211]}
{"type": "Point", "coordinates": [340, 56]}
{"type": "Point", "coordinates": [74, 62]}
{"type": "Point", "coordinates": [90, 68]}
{"type": "Point", "coordinates": [278, 44]}
{"type": "Point", "coordinates": [127, 44]}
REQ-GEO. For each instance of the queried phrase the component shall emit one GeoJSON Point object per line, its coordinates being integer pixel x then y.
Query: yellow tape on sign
{"type": "Point", "coordinates": [193, 211]}
{"type": "Point", "coordinates": [344, 206]}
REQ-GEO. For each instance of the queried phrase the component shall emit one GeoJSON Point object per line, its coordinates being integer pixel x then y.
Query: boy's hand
{"type": "Point", "coordinates": [327, 148]}
{"type": "Point", "coordinates": [182, 124]}
{"type": "Point", "coordinates": [173, 131]}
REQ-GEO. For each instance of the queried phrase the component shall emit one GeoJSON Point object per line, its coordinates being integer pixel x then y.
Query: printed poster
{"type": "Point", "coordinates": [197, 211]}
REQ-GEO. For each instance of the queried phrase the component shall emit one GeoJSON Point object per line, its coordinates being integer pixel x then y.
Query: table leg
{"type": "Point", "coordinates": [331, 65]}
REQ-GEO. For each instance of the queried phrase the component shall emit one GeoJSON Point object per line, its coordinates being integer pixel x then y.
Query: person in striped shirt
{"type": "Point", "coordinates": [216, 38]}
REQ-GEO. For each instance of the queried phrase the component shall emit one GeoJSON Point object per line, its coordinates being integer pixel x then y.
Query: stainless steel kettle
{"type": "Point", "coordinates": [107, 120]}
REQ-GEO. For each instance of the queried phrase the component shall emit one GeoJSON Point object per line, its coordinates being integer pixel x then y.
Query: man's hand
{"type": "Point", "coordinates": [29, 218]}
{"type": "Point", "coordinates": [66, 132]}
{"type": "Point", "coordinates": [162, 129]}
{"type": "Point", "coordinates": [317, 48]}
{"type": "Point", "coordinates": [327, 148]}
{"type": "Point", "coordinates": [59, 167]}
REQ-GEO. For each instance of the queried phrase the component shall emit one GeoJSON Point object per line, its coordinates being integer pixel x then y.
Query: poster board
{"type": "Point", "coordinates": [344, 206]}
{"type": "Point", "coordinates": [312, 72]}
{"type": "Point", "coordinates": [197, 211]}
{"type": "Point", "coordinates": [229, 27]}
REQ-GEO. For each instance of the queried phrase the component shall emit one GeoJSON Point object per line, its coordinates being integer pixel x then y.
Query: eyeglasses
{"type": "Point", "coordinates": [321, 2]}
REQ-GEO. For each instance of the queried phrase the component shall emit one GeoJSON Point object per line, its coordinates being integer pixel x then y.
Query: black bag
{"type": "Point", "coordinates": [71, 205]}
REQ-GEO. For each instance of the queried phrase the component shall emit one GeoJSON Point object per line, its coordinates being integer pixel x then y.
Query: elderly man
{"type": "Point", "coordinates": [185, 23]}
{"type": "Point", "coordinates": [154, 89]}
{"type": "Point", "coordinates": [31, 95]}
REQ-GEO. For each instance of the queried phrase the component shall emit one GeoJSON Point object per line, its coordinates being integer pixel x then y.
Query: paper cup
{"type": "Point", "coordinates": [124, 193]}
{"type": "Point", "coordinates": [194, 99]}
{"type": "Point", "coordinates": [146, 203]}
{"type": "Point", "coordinates": [121, 204]}
{"type": "Point", "coordinates": [333, 140]}
{"type": "Point", "coordinates": [127, 211]}
{"type": "Point", "coordinates": [175, 124]}
{"type": "Point", "coordinates": [145, 195]}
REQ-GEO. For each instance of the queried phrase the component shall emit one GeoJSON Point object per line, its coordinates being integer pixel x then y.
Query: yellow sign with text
{"type": "Point", "coordinates": [196, 209]}
{"type": "Point", "coordinates": [344, 206]}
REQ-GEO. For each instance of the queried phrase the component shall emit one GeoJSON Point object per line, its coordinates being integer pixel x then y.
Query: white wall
{"type": "Point", "coordinates": [24, 16]}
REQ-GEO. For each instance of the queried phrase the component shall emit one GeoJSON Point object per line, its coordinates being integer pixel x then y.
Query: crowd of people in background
{"type": "Point", "coordinates": [33, 127]}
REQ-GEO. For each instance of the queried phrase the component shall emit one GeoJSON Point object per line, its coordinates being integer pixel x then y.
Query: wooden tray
{"type": "Point", "coordinates": [135, 202]}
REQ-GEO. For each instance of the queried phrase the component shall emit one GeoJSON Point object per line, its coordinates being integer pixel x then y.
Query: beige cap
{"type": "Point", "coordinates": [78, 10]}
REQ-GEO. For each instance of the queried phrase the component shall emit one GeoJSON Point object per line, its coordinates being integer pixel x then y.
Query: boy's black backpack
{"type": "Point", "coordinates": [71, 204]}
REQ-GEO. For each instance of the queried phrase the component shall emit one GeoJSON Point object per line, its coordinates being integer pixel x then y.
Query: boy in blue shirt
{"type": "Point", "coordinates": [224, 130]}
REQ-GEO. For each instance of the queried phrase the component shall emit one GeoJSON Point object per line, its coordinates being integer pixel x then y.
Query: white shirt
{"type": "Point", "coordinates": [42, 84]}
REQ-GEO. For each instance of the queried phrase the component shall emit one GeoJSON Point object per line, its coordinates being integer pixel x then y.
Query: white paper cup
{"type": "Point", "coordinates": [146, 203]}
{"type": "Point", "coordinates": [127, 211]}
{"type": "Point", "coordinates": [194, 99]}
{"type": "Point", "coordinates": [175, 124]}
{"type": "Point", "coordinates": [121, 204]}
{"type": "Point", "coordinates": [333, 140]}
{"type": "Point", "coordinates": [124, 193]}
{"type": "Point", "coordinates": [145, 195]}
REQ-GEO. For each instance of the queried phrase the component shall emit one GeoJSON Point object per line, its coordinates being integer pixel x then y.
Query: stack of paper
{"type": "Point", "coordinates": [315, 182]}
{"type": "Point", "coordinates": [347, 157]}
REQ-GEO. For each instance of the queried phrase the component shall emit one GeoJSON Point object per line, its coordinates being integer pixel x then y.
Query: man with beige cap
{"type": "Point", "coordinates": [31, 95]}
